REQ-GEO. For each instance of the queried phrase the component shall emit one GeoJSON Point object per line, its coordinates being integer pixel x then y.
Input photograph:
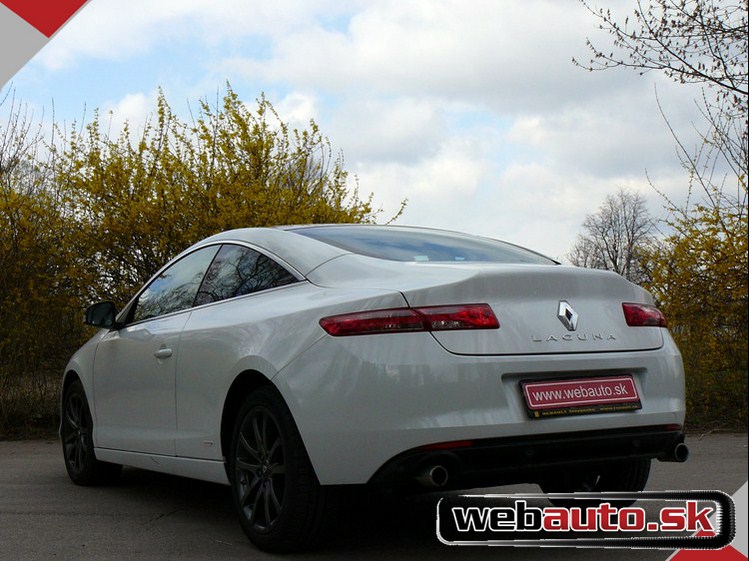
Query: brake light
{"type": "Point", "coordinates": [398, 320]}
{"type": "Point", "coordinates": [446, 318]}
{"type": "Point", "coordinates": [643, 315]}
{"type": "Point", "coordinates": [376, 321]}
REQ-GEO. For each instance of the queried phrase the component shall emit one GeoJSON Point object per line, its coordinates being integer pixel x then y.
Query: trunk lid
{"type": "Point", "coordinates": [526, 298]}
{"type": "Point", "coordinates": [544, 309]}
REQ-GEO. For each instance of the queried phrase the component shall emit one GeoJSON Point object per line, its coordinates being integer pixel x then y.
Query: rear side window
{"type": "Point", "coordinates": [175, 288]}
{"type": "Point", "coordinates": [414, 244]}
{"type": "Point", "coordinates": [237, 271]}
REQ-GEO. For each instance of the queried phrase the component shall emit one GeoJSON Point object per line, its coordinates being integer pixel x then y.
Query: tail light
{"type": "Point", "coordinates": [399, 320]}
{"type": "Point", "coordinates": [643, 315]}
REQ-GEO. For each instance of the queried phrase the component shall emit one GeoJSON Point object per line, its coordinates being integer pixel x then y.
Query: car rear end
{"type": "Point", "coordinates": [489, 373]}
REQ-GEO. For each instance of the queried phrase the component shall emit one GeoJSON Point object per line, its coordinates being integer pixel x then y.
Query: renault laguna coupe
{"type": "Point", "coordinates": [285, 361]}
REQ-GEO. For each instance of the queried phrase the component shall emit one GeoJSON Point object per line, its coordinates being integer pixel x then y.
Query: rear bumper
{"type": "Point", "coordinates": [359, 402]}
{"type": "Point", "coordinates": [501, 461]}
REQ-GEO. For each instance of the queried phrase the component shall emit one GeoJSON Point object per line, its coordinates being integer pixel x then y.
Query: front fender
{"type": "Point", "coordinates": [81, 367]}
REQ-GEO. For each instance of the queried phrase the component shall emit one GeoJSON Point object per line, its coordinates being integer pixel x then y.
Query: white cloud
{"type": "Point", "coordinates": [508, 55]}
{"type": "Point", "coordinates": [102, 30]}
{"type": "Point", "coordinates": [472, 110]}
{"type": "Point", "coordinates": [451, 176]}
{"type": "Point", "coordinates": [511, 55]}
{"type": "Point", "coordinates": [297, 109]}
{"type": "Point", "coordinates": [134, 109]}
{"type": "Point", "coordinates": [111, 30]}
{"type": "Point", "coordinates": [528, 204]}
{"type": "Point", "coordinates": [388, 130]}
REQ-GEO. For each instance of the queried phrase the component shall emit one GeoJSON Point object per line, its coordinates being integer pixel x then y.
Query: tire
{"type": "Point", "coordinates": [76, 433]}
{"type": "Point", "coordinates": [625, 476]}
{"type": "Point", "coordinates": [276, 494]}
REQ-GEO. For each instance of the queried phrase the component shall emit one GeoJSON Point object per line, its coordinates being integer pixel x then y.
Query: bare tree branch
{"type": "Point", "coordinates": [613, 237]}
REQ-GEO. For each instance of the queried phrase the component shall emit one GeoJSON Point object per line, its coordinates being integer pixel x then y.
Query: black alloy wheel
{"type": "Point", "coordinates": [260, 469]}
{"type": "Point", "coordinates": [76, 433]}
{"type": "Point", "coordinates": [276, 493]}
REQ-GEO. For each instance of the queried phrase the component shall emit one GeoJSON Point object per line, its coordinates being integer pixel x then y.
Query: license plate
{"type": "Point", "coordinates": [580, 396]}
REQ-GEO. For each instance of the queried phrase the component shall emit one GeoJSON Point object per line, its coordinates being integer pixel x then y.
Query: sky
{"type": "Point", "coordinates": [472, 111]}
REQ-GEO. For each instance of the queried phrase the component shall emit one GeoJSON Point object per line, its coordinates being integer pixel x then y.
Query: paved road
{"type": "Point", "coordinates": [153, 516]}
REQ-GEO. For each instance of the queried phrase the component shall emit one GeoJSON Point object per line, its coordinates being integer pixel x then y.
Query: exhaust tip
{"type": "Point", "coordinates": [434, 476]}
{"type": "Point", "coordinates": [681, 452]}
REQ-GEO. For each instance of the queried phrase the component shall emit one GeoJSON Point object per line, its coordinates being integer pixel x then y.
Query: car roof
{"type": "Point", "coordinates": [301, 252]}
{"type": "Point", "coordinates": [306, 253]}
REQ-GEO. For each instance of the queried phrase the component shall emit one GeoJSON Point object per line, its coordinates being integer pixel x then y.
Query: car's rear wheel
{"type": "Point", "coordinates": [276, 493]}
{"type": "Point", "coordinates": [625, 476]}
{"type": "Point", "coordinates": [76, 432]}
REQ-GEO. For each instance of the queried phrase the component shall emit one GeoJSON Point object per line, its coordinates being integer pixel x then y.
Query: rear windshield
{"type": "Point", "coordinates": [415, 244]}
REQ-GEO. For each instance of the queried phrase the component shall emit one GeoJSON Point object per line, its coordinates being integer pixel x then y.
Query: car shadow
{"type": "Point", "coordinates": [363, 521]}
{"type": "Point", "coordinates": [366, 524]}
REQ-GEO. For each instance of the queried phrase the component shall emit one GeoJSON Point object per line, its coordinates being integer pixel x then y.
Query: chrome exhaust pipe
{"type": "Point", "coordinates": [679, 453]}
{"type": "Point", "coordinates": [434, 476]}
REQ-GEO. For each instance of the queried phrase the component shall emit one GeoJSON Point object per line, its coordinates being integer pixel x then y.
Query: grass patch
{"type": "Point", "coordinates": [29, 405]}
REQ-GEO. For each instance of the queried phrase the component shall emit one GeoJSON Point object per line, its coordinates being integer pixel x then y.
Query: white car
{"type": "Point", "coordinates": [282, 361]}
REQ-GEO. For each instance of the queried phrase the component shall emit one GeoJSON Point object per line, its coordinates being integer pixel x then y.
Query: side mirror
{"type": "Point", "coordinates": [101, 314]}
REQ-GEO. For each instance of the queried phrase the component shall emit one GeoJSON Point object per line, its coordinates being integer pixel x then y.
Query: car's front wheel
{"type": "Point", "coordinates": [276, 493]}
{"type": "Point", "coordinates": [76, 432]}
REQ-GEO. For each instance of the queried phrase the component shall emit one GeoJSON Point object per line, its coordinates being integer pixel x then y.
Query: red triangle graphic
{"type": "Point", "coordinates": [46, 15]}
{"type": "Point", "coordinates": [728, 553]}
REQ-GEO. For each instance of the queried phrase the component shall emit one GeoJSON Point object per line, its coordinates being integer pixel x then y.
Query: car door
{"type": "Point", "coordinates": [134, 366]}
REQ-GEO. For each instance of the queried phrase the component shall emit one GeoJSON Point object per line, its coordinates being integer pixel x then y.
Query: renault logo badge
{"type": "Point", "coordinates": [567, 315]}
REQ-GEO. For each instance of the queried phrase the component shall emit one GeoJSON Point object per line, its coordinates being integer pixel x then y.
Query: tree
{"type": "Point", "coordinates": [139, 199]}
{"type": "Point", "coordinates": [699, 270]}
{"type": "Point", "coordinates": [84, 217]}
{"type": "Point", "coordinates": [701, 41]}
{"type": "Point", "coordinates": [613, 238]}
{"type": "Point", "coordinates": [693, 41]}
{"type": "Point", "coordinates": [699, 278]}
{"type": "Point", "coordinates": [38, 308]}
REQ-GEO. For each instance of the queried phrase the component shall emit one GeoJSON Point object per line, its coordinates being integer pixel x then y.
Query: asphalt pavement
{"type": "Point", "coordinates": [153, 516]}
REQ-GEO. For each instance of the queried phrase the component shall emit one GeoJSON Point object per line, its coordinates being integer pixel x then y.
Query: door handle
{"type": "Point", "coordinates": [163, 353]}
